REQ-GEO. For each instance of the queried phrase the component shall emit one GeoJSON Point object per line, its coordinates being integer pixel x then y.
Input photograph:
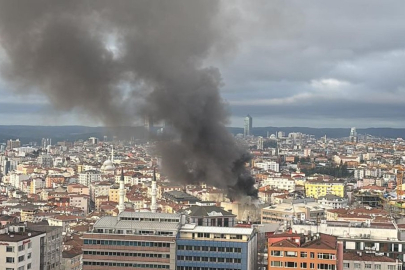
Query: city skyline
{"type": "Point", "coordinates": [301, 70]}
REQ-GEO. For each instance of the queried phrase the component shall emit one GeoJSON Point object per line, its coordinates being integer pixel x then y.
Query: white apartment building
{"type": "Point", "coordinates": [333, 201]}
{"type": "Point", "coordinates": [358, 174]}
{"type": "Point", "coordinates": [268, 165]}
{"type": "Point", "coordinates": [87, 177]}
{"type": "Point", "coordinates": [80, 201]}
{"type": "Point", "coordinates": [16, 179]}
{"type": "Point", "coordinates": [21, 249]}
{"type": "Point", "coordinates": [282, 182]}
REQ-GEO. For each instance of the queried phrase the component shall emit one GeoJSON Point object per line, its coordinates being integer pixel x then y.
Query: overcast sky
{"type": "Point", "coordinates": [295, 63]}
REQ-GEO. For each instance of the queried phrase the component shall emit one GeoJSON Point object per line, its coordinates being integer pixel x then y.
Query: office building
{"type": "Point", "coordinates": [132, 240]}
{"type": "Point", "coordinates": [247, 131]}
{"type": "Point", "coordinates": [93, 140]}
{"type": "Point", "coordinates": [353, 135]}
{"type": "Point", "coordinates": [13, 144]}
{"type": "Point", "coordinates": [260, 143]}
{"type": "Point", "coordinates": [200, 248]}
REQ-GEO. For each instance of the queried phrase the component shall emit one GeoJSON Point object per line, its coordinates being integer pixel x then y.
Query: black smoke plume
{"type": "Point", "coordinates": [112, 59]}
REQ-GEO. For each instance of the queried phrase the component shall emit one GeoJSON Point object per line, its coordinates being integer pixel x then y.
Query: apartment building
{"type": "Point", "coordinates": [320, 251]}
{"type": "Point", "coordinates": [333, 201]}
{"type": "Point", "coordinates": [200, 247]}
{"type": "Point", "coordinates": [301, 210]}
{"type": "Point", "coordinates": [316, 189]}
{"type": "Point", "coordinates": [52, 250]}
{"type": "Point", "coordinates": [364, 261]}
{"type": "Point", "coordinates": [208, 214]}
{"type": "Point", "coordinates": [282, 183]}
{"type": "Point", "coordinates": [21, 248]}
{"type": "Point", "coordinates": [377, 238]}
{"type": "Point", "coordinates": [132, 239]}
{"type": "Point", "coordinates": [89, 176]}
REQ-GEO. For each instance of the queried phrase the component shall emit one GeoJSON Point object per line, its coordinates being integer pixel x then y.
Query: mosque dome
{"type": "Point", "coordinates": [107, 166]}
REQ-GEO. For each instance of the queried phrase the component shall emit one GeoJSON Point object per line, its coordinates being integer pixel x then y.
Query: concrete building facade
{"type": "Point", "coordinates": [200, 247]}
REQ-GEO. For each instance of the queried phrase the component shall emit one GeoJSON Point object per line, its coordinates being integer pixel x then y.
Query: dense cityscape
{"type": "Point", "coordinates": [202, 135]}
{"type": "Point", "coordinates": [91, 204]}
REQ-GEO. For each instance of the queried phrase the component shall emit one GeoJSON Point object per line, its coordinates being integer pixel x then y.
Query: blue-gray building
{"type": "Point", "coordinates": [207, 248]}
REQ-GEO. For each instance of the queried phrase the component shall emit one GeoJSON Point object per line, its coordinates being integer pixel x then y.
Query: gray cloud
{"type": "Point", "coordinates": [296, 56]}
{"type": "Point", "coordinates": [318, 59]}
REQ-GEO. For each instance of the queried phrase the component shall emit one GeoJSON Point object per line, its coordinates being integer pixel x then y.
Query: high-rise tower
{"type": "Point", "coordinates": [248, 126]}
{"type": "Point", "coordinates": [121, 205]}
{"type": "Point", "coordinates": [153, 206]}
{"type": "Point", "coordinates": [353, 135]}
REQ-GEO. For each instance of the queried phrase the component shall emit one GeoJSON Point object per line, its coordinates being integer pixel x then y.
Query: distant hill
{"type": "Point", "coordinates": [28, 134]}
{"type": "Point", "coordinates": [72, 133]}
{"type": "Point", "coordinates": [329, 132]}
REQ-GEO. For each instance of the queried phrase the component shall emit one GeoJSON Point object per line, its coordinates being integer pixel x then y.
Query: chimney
{"type": "Point", "coordinates": [339, 265]}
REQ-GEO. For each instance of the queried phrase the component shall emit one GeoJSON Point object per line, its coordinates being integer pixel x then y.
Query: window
{"type": "Point", "coordinates": [312, 255]}
{"type": "Point", "coordinates": [21, 248]}
{"type": "Point", "coordinates": [29, 256]}
{"type": "Point", "coordinates": [21, 258]}
{"type": "Point", "coordinates": [276, 264]}
{"type": "Point", "coordinates": [367, 266]}
{"type": "Point", "coordinates": [9, 268]}
{"type": "Point", "coordinates": [291, 254]}
{"type": "Point", "coordinates": [346, 265]}
{"type": "Point", "coordinates": [304, 265]}
{"type": "Point", "coordinates": [21, 268]}
{"type": "Point", "coordinates": [276, 253]}
{"type": "Point", "coordinates": [312, 265]}
{"type": "Point", "coordinates": [290, 265]}
{"type": "Point", "coordinates": [377, 266]}
{"type": "Point", "coordinates": [9, 259]}
{"type": "Point", "coordinates": [356, 266]}
{"type": "Point", "coordinates": [326, 256]}
{"type": "Point", "coordinates": [9, 249]}
{"type": "Point", "coordinates": [326, 266]}
{"type": "Point", "coordinates": [304, 254]}
{"type": "Point", "coordinates": [29, 245]}
{"type": "Point", "coordinates": [392, 267]}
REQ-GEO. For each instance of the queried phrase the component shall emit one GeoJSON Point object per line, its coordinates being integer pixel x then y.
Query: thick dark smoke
{"type": "Point", "coordinates": [111, 59]}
